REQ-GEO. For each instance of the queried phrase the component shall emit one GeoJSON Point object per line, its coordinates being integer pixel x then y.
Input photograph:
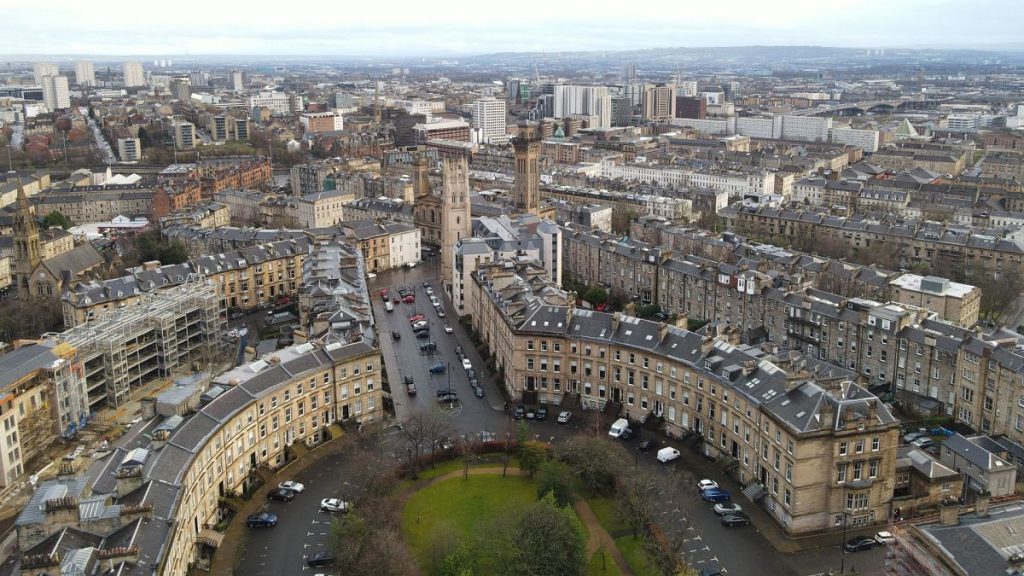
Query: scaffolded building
{"type": "Point", "coordinates": [177, 329]}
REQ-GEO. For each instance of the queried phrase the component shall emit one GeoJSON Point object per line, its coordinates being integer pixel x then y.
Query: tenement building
{"type": "Point", "coordinates": [808, 440]}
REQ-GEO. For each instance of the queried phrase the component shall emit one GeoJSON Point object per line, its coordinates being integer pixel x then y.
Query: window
{"type": "Point", "coordinates": [789, 471]}
{"type": "Point", "coordinates": [858, 469]}
{"type": "Point", "coordinates": [842, 448]}
{"type": "Point", "coordinates": [873, 469]}
{"type": "Point", "coordinates": [841, 473]}
{"type": "Point", "coordinates": [529, 344]}
{"type": "Point", "coordinates": [860, 446]}
{"type": "Point", "coordinates": [857, 501]}
{"type": "Point", "coordinates": [788, 498]}
{"type": "Point", "coordinates": [875, 443]}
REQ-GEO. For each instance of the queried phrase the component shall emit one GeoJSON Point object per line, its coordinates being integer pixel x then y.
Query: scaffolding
{"type": "Point", "coordinates": [167, 331]}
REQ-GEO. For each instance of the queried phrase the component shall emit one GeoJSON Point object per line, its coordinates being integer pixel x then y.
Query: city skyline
{"type": "Point", "coordinates": [461, 28]}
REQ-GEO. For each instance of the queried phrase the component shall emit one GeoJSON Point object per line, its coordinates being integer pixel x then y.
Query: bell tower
{"type": "Point", "coordinates": [455, 212]}
{"type": "Point", "coordinates": [27, 252]}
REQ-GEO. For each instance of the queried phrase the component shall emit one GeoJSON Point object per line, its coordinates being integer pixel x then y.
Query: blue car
{"type": "Point", "coordinates": [263, 519]}
{"type": "Point", "coordinates": [715, 495]}
{"type": "Point", "coordinates": [438, 368]}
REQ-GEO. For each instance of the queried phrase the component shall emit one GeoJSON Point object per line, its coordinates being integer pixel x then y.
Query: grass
{"type": "Point", "coordinates": [636, 556]}
{"type": "Point", "coordinates": [604, 510]}
{"type": "Point", "coordinates": [467, 506]}
{"type": "Point", "coordinates": [602, 566]}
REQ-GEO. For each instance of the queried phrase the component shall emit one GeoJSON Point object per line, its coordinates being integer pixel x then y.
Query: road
{"type": "Point", "coordinates": [303, 530]}
{"type": "Point", "coordinates": [101, 142]}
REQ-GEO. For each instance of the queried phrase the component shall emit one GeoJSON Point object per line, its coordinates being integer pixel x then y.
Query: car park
{"type": "Point", "coordinates": [706, 484]}
{"type": "Point", "coordinates": [860, 543]}
{"type": "Point", "coordinates": [334, 505]}
{"type": "Point", "coordinates": [261, 520]}
{"type": "Point", "coordinates": [715, 495]}
{"type": "Point", "coordinates": [438, 368]}
{"type": "Point", "coordinates": [320, 558]}
{"type": "Point", "coordinates": [281, 495]}
{"type": "Point", "coordinates": [542, 413]}
{"type": "Point", "coordinates": [646, 445]}
{"type": "Point", "coordinates": [467, 364]}
{"type": "Point", "coordinates": [564, 416]}
{"type": "Point", "coordinates": [727, 508]}
{"type": "Point", "coordinates": [735, 520]}
{"type": "Point", "coordinates": [292, 485]}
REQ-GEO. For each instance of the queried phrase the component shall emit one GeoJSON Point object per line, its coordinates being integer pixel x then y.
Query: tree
{"type": "Point", "coordinates": [595, 295]}
{"type": "Point", "coordinates": [150, 246]}
{"type": "Point", "coordinates": [55, 218]}
{"type": "Point", "coordinates": [531, 456]}
{"type": "Point", "coordinates": [997, 294]}
{"type": "Point", "coordinates": [636, 492]}
{"type": "Point", "coordinates": [542, 539]}
{"type": "Point", "coordinates": [555, 478]}
{"type": "Point", "coordinates": [30, 318]}
{"type": "Point", "coordinates": [594, 462]}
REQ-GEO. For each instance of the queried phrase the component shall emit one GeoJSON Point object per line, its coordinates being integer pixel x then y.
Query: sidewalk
{"type": "Point", "coordinates": [231, 547]}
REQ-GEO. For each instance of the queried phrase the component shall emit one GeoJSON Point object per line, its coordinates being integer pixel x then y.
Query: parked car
{"type": "Point", "coordinates": [410, 386]}
{"type": "Point", "coordinates": [923, 442]}
{"type": "Point", "coordinates": [519, 413]}
{"type": "Point", "coordinates": [478, 391]}
{"type": "Point", "coordinates": [727, 508]}
{"type": "Point", "coordinates": [427, 285]}
{"type": "Point", "coordinates": [428, 347]}
{"type": "Point", "coordinates": [706, 484]}
{"type": "Point", "coordinates": [715, 495]}
{"type": "Point", "coordinates": [627, 434]}
{"type": "Point", "coordinates": [416, 318]}
{"type": "Point", "coordinates": [667, 454]}
{"type": "Point", "coordinates": [440, 313]}
{"type": "Point", "coordinates": [438, 368]}
{"type": "Point", "coordinates": [420, 324]}
{"type": "Point", "coordinates": [448, 329]}
{"type": "Point", "coordinates": [423, 333]}
{"type": "Point", "coordinates": [292, 485]}
{"type": "Point", "coordinates": [860, 543]}
{"type": "Point", "coordinates": [542, 413]}
{"type": "Point", "coordinates": [321, 558]}
{"type": "Point", "coordinates": [646, 445]}
{"type": "Point", "coordinates": [334, 505]}
{"type": "Point", "coordinates": [448, 397]}
{"type": "Point", "coordinates": [909, 438]}
{"type": "Point", "coordinates": [564, 416]}
{"type": "Point", "coordinates": [281, 495]}
{"type": "Point", "coordinates": [467, 364]}
{"type": "Point", "coordinates": [735, 520]}
{"type": "Point", "coordinates": [409, 299]}
{"type": "Point", "coordinates": [396, 335]}
{"type": "Point", "coordinates": [531, 413]}
{"type": "Point", "coordinates": [885, 537]}
{"type": "Point", "coordinates": [384, 294]}
{"type": "Point", "coordinates": [261, 520]}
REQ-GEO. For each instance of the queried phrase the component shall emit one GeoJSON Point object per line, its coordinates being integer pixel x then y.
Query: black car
{"type": "Point", "coordinates": [423, 334]}
{"type": "Point", "coordinates": [478, 391]}
{"type": "Point", "coordinates": [428, 347]}
{"type": "Point", "coordinates": [646, 445]}
{"type": "Point", "coordinates": [263, 519]}
{"type": "Point", "coordinates": [627, 434]}
{"type": "Point", "coordinates": [426, 284]}
{"type": "Point", "coordinates": [320, 559]}
{"type": "Point", "coordinates": [860, 543]}
{"type": "Point", "coordinates": [281, 495]}
{"type": "Point", "coordinates": [542, 413]}
{"type": "Point", "coordinates": [447, 397]}
{"type": "Point", "coordinates": [735, 520]}
{"type": "Point", "coordinates": [519, 413]}
{"type": "Point", "coordinates": [396, 335]}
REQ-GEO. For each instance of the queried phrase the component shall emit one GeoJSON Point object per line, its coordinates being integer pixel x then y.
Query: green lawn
{"type": "Point", "coordinates": [605, 566]}
{"type": "Point", "coordinates": [467, 505]}
{"type": "Point", "coordinates": [604, 510]}
{"type": "Point", "coordinates": [636, 556]}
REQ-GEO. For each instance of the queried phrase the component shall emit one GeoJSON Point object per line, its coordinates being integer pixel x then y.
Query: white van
{"type": "Point", "coordinates": [667, 454]}
{"type": "Point", "coordinates": [389, 306]}
{"type": "Point", "coordinates": [618, 428]}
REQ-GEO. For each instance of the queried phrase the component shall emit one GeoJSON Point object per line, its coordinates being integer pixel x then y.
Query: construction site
{"type": "Point", "coordinates": [179, 329]}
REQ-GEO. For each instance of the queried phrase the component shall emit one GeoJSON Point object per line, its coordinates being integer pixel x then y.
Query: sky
{"type": "Point", "coordinates": [465, 27]}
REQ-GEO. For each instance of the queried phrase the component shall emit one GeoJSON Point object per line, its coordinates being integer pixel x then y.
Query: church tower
{"type": "Point", "coordinates": [455, 213]}
{"type": "Point", "coordinates": [421, 174]}
{"type": "Point", "coordinates": [27, 254]}
{"type": "Point", "coordinates": [527, 188]}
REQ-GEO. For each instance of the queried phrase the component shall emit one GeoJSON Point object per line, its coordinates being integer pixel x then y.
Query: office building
{"type": "Point", "coordinates": [184, 135]}
{"type": "Point", "coordinates": [489, 120]}
{"type": "Point", "coordinates": [686, 89]}
{"type": "Point", "coordinates": [129, 149]}
{"type": "Point", "coordinates": [41, 69]}
{"type": "Point", "coordinates": [134, 75]}
{"type": "Point", "coordinates": [320, 122]}
{"type": "Point", "coordinates": [594, 101]}
{"type": "Point", "coordinates": [85, 73]}
{"type": "Point", "coordinates": [236, 81]}
{"type": "Point", "coordinates": [55, 93]}
{"type": "Point", "coordinates": [181, 89]}
{"type": "Point", "coordinates": [658, 103]}
{"type": "Point", "coordinates": [688, 107]}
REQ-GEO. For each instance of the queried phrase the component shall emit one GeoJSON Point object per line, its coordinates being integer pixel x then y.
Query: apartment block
{"type": "Point", "coordinates": [129, 149]}
{"type": "Point", "coordinates": [320, 122]}
{"type": "Point", "coordinates": [952, 301]}
{"type": "Point", "coordinates": [813, 446]}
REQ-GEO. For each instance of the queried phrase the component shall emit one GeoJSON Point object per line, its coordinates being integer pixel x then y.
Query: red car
{"type": "Point", "coordinates": [396, 300]}
{"type": "Point", "coordinates": [601, 307]}
{"type": "Point", "coordinates": [417, 318]}
{"type": "Point", "coordinates": [384, 294]}
{"type": "Point", "coordinates": [409, 299]}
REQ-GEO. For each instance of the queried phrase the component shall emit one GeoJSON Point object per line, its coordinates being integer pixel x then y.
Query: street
{"type": "Point", "coordinates": [304, 530]}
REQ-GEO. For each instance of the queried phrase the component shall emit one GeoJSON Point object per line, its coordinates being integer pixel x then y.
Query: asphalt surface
{"type": "Point", "coordinates": [304, 530]}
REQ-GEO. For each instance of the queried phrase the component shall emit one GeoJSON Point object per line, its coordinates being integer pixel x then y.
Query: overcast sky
{"type": "Point", "coordinates": [452, 27]}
